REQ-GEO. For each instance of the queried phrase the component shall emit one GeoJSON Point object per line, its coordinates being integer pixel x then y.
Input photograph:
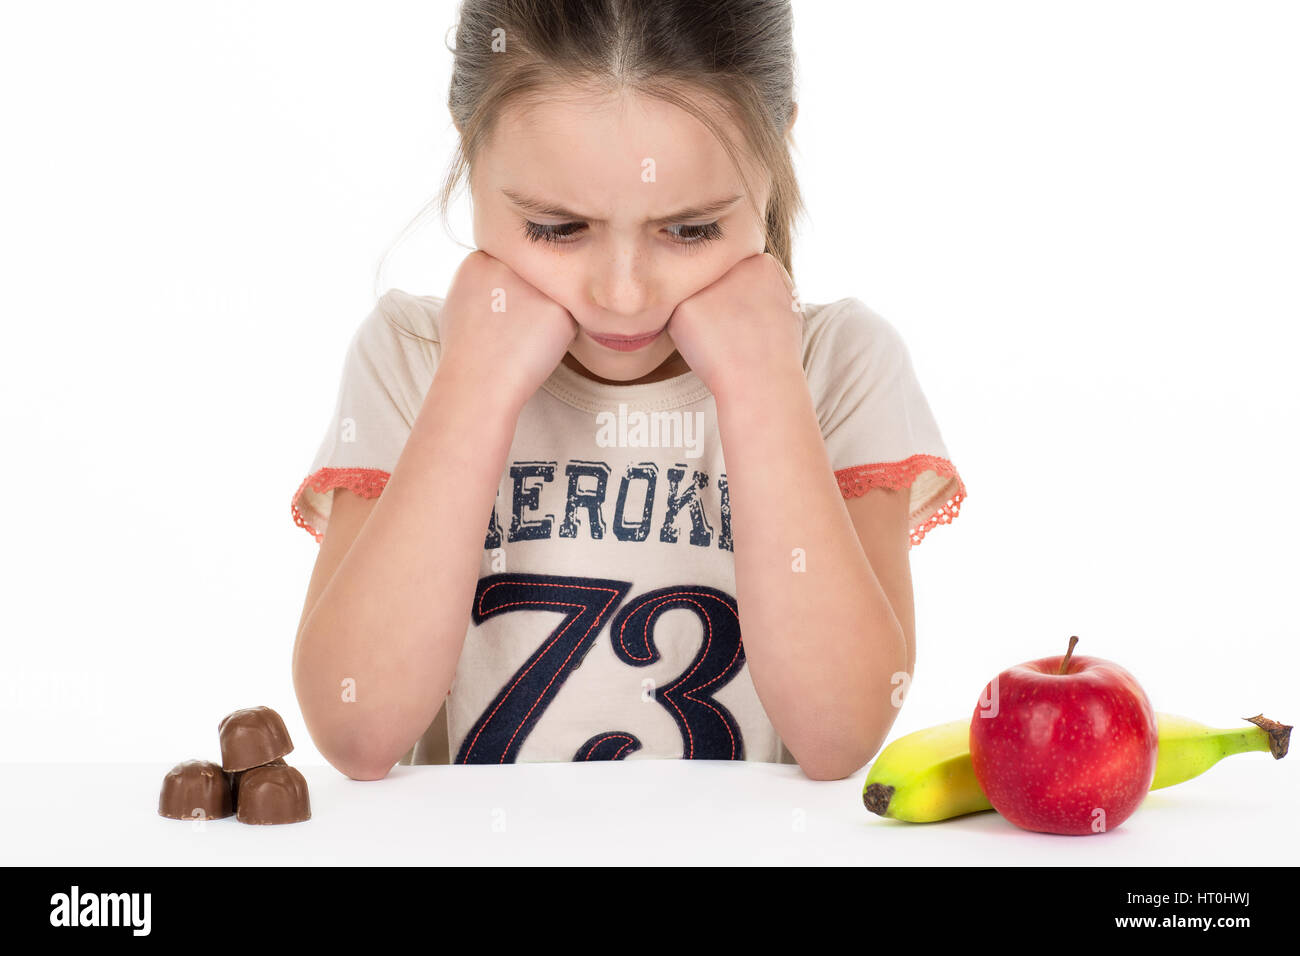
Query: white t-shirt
{"type": "Point", "coordinates": [605, 624]}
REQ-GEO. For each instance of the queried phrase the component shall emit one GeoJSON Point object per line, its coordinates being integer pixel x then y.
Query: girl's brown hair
{"type": "Point", "coordinates": [733, 55]}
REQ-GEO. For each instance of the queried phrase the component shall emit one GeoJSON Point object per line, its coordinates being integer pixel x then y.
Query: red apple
{"type": "Point", "coordinates": [1064, 745]}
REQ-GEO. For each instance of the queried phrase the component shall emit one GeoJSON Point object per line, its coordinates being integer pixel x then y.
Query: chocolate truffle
{"type": "Point", "coordinates": [195, 790]}
{"type": "Point", "coordinates": [273, 794]}
{"type": "Point", "coordinates": [234, 777]}
{"type": "Point", "coordinates": [252, 737]}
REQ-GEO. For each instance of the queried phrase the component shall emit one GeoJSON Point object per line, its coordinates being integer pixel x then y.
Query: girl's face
{"type": "Point", "coordinates": [617, 209]}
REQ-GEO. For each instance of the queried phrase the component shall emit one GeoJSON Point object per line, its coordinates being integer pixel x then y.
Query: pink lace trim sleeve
{"type": "Point", "coordinates": [854, 482]}
{"type": "Point", "coordinates": [366, 482]}
{"type": "Point", "coordinates": [858, 480]}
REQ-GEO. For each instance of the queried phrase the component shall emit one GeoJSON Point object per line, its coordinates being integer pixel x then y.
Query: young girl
{"type": "Point", "coordinates": [619, 441]}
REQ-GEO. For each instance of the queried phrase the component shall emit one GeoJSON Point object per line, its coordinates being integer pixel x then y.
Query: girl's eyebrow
{"type": "Point", "coordinates": [539, 207]}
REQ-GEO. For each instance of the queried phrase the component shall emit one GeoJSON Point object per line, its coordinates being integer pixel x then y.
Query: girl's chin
{"type": "Point", "coordinates": [616, 367]}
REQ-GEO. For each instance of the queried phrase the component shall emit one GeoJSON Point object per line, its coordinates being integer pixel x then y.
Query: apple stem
{"type": "Point", "coordinates": [1065, 661]}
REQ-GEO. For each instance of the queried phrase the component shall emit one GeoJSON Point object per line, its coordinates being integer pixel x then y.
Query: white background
{"type": "Point", "coordinates": [1081, 216]}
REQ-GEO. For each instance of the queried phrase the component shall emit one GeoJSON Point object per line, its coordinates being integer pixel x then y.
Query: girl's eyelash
{"type": "Point", "coordinates": [708, 232]}
{"type": "Point", "coordinates": [539, 232]}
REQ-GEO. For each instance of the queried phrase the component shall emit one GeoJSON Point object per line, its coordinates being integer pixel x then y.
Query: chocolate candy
{"type": "Point", "coordinates": [195, 790]}
{"type": "Point", "coordinates": [273, 794]}
{"type": "Point", "coordinates": [252, 782]}
{"type": "Point", "coordinates": [252, 737]}
{"type": "Point", "coordinates": [234, 776]}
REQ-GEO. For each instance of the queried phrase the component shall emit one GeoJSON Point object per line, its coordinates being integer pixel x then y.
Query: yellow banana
{"type": "Point", "coordinates": [928, 776]}
{"type": "Point", "coordinates": [1188, 749]}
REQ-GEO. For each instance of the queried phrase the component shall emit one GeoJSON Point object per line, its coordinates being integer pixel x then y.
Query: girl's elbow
{"type": "Point", "coordinates": [361, 762]}
{"type": "Point", "coordinates": [852, 757]}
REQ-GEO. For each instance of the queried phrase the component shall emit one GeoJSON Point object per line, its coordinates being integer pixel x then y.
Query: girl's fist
{"type": "Point", "coordinates": [500, 330]}
{"type": "Point", "coordinates": [745, 326]}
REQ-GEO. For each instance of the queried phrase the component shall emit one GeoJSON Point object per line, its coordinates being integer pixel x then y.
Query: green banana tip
{"type": "Point", "coordinates": [1279, 735]}
{"type": "Point", "coordinates": [876, 798]}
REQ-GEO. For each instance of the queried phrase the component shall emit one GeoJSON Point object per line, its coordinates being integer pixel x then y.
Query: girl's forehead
{"type": "Point", "coordinates": [634, 126]}
{"type": "Point", "coordinates": [603, 151]}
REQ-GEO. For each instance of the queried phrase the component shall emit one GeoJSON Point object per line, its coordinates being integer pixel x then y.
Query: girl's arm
{"type": "Point", "coordinates": [821, 638]}
{"type": "Point", "coordinates": [391, 622]}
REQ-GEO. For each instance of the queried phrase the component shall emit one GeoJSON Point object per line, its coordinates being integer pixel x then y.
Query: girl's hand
{"type": "Point", "coordinates": [501, 331]}
{"type": "Point", "coordinates": [742, 329]}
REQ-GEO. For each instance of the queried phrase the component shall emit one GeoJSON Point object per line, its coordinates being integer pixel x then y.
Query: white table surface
{"type": "Point", "coordinates": [634, 812]}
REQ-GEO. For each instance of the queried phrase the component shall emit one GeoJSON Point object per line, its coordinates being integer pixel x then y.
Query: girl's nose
{"type": "Point", "coordinates": [618, 285]}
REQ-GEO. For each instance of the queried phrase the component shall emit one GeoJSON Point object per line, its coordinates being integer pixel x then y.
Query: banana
{"type": "Point", "coordinates": [928, 775]}
{"type": "Point", "coordinates": [1188, 749]}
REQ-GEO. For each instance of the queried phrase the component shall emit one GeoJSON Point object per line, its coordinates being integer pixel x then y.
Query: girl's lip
{"type": "Point", "coordinates": [627, 343]}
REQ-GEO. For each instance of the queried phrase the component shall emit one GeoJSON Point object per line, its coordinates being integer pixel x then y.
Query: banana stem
{"type": "Point", "coordinates": [1279, 735]}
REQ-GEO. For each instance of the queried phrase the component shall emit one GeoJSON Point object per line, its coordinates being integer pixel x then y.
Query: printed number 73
{"type": "Point", "coordinates": [709, 732]}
